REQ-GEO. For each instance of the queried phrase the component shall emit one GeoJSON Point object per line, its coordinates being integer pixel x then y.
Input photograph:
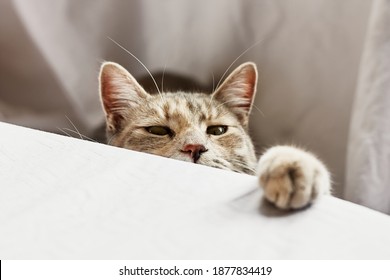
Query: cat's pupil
{"type": "Point", "coordinates": [159, 130]}
{"type": "Point", "coordinates": [216, 129]}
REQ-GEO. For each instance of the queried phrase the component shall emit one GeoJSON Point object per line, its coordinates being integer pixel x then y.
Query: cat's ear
{"type": "Point", "coordinates": [119, 91]}
{"type": "Point", "coordinates": [238, 90]}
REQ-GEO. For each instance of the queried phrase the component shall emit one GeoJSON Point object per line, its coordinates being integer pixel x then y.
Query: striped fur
{"type": "Point", "coordinates": [130, 110]}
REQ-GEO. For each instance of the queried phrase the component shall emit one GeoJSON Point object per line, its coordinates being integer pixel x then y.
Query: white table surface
{"type": "Point", "coordinates": [65, 198]}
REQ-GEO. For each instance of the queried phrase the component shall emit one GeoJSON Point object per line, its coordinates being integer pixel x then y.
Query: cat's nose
{"type": "Point", "coordinates": [195, 150]}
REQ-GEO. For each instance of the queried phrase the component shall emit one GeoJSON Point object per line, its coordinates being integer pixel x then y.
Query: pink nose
{"type": "Point", "coordinates": [195, 150]}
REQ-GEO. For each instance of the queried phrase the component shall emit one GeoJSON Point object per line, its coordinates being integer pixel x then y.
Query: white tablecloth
{"type": "Point", "coordinates": [64, 198]}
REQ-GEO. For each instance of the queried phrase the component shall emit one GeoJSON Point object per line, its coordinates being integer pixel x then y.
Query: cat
{"type": "Point", "coordinates": [209, 129]}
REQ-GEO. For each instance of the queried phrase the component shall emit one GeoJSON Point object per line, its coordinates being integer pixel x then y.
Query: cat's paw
{"type": "Point", "coordinates": [292, 178]}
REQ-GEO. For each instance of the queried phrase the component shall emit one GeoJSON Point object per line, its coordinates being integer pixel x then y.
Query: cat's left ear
{"type": "Point", "coordinates": [238, 90]}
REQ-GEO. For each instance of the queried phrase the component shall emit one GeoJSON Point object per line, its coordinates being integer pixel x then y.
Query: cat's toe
{"type": "Point", "coordinates": [292, 178]}
{"type": "Point", "coordinates": [302, 197]}
{"type": "Point", "coordinates": [286, 187]}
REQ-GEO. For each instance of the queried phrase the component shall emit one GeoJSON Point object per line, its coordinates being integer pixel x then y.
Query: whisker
{"type": "Point", "coordinates": [212, 75]}
{"type": "Point", "coordinates": [229, 101]}
{"type": "Point", "coordinates": [64, 132]}
{"type": "Point", "coordinates": [234, 61]}
{"type": "Point", "coordinates": [242, 165]}
{"type": "Point", "coordinates": [112, 137]}
{"type": "Point", "coordinates": [230, 66]}
{"type": "Point", "coordinates": [81, 135]}
{"type": "Point", "coordinates": [162, 77]}
{"type": "Point", "coordinates": [77, 131]}
{"type": "Point", "coordinates": [139, 61]}
{"type": "Point", "coordinates": [211, 98]}
{"type": "Point", "coordinates": [163, 98]}
{"type": "Point", "coordinates": [258, 109]}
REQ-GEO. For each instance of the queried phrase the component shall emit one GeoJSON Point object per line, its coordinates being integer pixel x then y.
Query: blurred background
{"type": "Point", "coordinates": [324, 70]}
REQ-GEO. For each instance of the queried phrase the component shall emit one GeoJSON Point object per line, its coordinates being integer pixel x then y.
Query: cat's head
{"type": "Point", "coordinates": [209, 129]}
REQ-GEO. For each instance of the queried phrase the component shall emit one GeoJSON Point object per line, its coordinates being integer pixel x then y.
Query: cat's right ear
{"type": "Point", "coordinates": [119, 91]}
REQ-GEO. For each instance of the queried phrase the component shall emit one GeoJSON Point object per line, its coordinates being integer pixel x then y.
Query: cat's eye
{"type": "Point", "coordinates": [217, 129]}
{"type": "Point", "coordinates": [159, 130]}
